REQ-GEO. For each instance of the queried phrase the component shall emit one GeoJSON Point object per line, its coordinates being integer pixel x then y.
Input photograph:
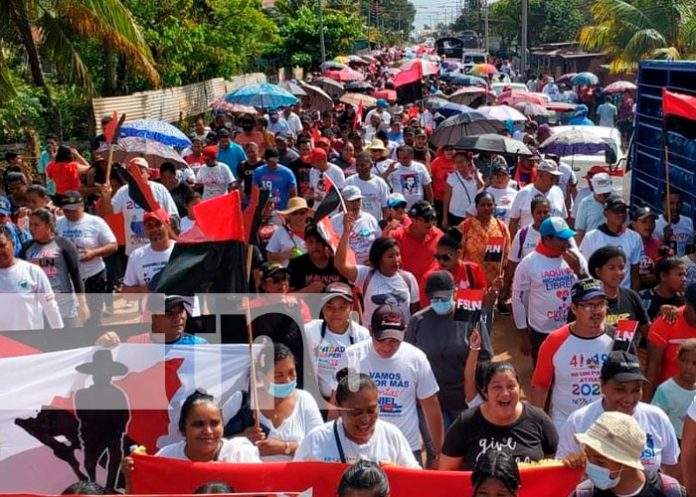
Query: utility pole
{"type": "Point", "coordinates": [523, 41]}
{"type": "Point", "coordinates": [321, 33]}
{"type": "Point", "coordinates": [486, 41]}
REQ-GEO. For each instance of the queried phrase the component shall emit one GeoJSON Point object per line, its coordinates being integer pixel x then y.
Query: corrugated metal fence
{"type": "Point", "coordinates": [171, 104]}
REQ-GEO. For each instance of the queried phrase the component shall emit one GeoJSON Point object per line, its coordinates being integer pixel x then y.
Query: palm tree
{"type": "Point", "coordinates": [55, 28]}
{"type": "Point", "coordinates": [631, 30]}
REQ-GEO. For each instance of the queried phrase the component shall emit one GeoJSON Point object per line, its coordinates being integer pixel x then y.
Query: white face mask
{"type": "Point", "coordinates": [601, 477]}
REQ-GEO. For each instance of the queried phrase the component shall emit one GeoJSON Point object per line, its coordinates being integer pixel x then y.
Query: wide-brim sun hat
{"type": "Point", "coordinates": [294, 204]}
{"type": "Point", "coordinates": [616, 436]}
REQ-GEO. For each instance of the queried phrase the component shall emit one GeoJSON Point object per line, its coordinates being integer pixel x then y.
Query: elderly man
{"type": "Point", "coordinates": [365, 227]}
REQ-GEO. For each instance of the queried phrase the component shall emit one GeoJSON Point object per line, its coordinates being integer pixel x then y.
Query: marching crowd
{"type": "Point", "coordinates": [602, 296]}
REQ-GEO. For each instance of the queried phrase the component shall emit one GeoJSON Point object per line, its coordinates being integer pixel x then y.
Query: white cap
{"type": "Point", "coordinates": [351, 192]}
{"type": "Point", "coordinates": [601, 183]}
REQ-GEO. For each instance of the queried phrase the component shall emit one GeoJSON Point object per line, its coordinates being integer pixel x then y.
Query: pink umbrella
{"type": "Point", "coordinates": [560, 106]}
{"type": "Point", "coordinates": [385, 94]}
{"type": "Point", "coordinates": [345, 75]}
{"type": "Point", "coordinates": [221, 105]}
{"type": "Point", "coordinates": [512, 97]}
{"type": "Point", "coordinates": [620, 87]}
{"type": "Point", "coordinates": [427, 67]}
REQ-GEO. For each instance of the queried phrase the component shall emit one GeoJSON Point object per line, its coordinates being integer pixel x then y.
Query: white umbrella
{"type": "Point", "coordinates": [502, 113]}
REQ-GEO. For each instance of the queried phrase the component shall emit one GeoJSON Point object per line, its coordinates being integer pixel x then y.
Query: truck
{"type": "Point", "coordinates": [646, 176]}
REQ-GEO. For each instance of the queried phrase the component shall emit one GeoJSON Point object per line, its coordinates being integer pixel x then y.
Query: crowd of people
{"type": "Point", "coordinates": [602, 297]}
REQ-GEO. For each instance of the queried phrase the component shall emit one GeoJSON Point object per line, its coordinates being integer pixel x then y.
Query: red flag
{"type": "Point", "coordinates": [358, 119]}
{"type": "Point", "coordinates": [218, 219]}
{"type": "Point", "coordinates": [139, 189]}
{"type": "Point", "coordinates": [112, 130]}
{"type": "Point", "coordinates": [469, 305]}
{"type": "Point", "coordinates": [679, 113]}
{"type": "Point", "coordinates": [626, 330]}
{"type": "Point", "coordinates": [494, 249]}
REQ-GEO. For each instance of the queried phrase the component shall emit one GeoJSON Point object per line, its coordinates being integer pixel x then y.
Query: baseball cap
{"type": "Point", "coordinates": [423, 209]}
{"type": "Point", "coordinates": [690, 295]}
{"type": "Point", "coordinates": [601, 183]}
{"type": "Point", "coordinates": [284, 135]}
{"type": "Point", "coordinates": [272, 268]}
{"type": "Point", "coordinates": [616, 436]}
{"type": "Point", "coordinates": [338, 289]}
{"type": "Point", "coordinates": [382, 103]}
{"type": "Point", "coordinates": [140, 162]}
{"type": "Point", "coordinates": [500, 168]}
{"type": "Point", "coordinates": [388, 322]}
{"type": "Point", "coordinates": [420, 132]}
{"type": "Point", "coordinates": [396, 200]}
{"type": "Point", "coordinates": [615, 202]}
{"type": "Point", "coordinates": [596, 170]}
{"type": "Point", "coordinates": [158, 215]}
{"type": "Point", "coordinates": [325, 141]}
{"type": "Point", "coordinates": [223, 133]}
{"type": "Point", "coordinates": [351, 192]}
{"type": "Point", "coordinates": [556, 226]}
{"type": "Point", "coordinates": [622, 367]}
{"type": "Point", "coordinates": [547, 166]}
{"type": "Point", "coordinates": [640, 212]}
{"type": "Point", "coordinates": [170, 303]}
{"type": "Point", "coordinates": [271, 153]}
{"type": "Point", "coordinates": [587, 289]}
{"type": "Point", "coordinates": [6, 205]}
{"type": "Point", "coordinates": [316, 154]}
{"type": "Point", "coordinates": [71, 200]}
{"type": "Point", "coordinates": [210, 152]}
{"type": "Point", "coordinates": [439, 282]}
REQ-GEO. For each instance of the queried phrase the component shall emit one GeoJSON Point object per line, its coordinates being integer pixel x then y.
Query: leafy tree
{"type": "Point", "coordinates": [631, 31]}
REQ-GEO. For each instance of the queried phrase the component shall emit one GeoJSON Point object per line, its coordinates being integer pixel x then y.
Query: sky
{"type": "Point", "coordinates": [435, 11]}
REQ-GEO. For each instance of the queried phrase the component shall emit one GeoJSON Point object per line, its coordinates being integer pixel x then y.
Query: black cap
{"type": "Point", "coordinates": [622, 367]}
{"type": "Point", "coordinates": [423, 209]}
{"type": "Point", "coordinates": [639, 212]}
{"type": "Point", "coordinates": [439, 281]}
{"type": "Point", "coordinates": [271, 153]}
{"type": "Point", "coordinates": [500, 168]}
{"type": "Point", "coordinates": [170, 302]}
{"type": "Point", "coordinates": [71, 199]}
{"type": "Point", "coordinates": [271, 268]}
{"type": "Point", "coordinates": [615, 202]}
{"type": "Point", "coordinates": [388, 322]}
{"type": "Point", "coordinates": [212, 136]}
{"type": "Point", "coordinates": [338, 289]}
{"type": "Point", "coordinates": [587, 289]}
{"type": "Point", "coordinates": [223, 133]}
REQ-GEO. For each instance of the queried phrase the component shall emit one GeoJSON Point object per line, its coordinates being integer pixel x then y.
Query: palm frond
{"type": "Point", "coordinates": [7, 89]}
{"type": "Point", "coordinates": [644, 42]}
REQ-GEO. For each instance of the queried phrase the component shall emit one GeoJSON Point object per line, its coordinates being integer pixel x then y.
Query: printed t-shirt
{"type": "Point", "coordinates": [409, 181]}
{"type": "Point", "coordinates": [365, 231]}
{"type": "Point", "coordinates": [626, 305]}
{"type": "Point", "coordinates": [284, 239]}
{"type": "Point", "coordinates": [653, 302]}
{"type": "Point", "coordinates": [683, 232]}
{"type": "Point", "coordinates": [628, 241]}
{"type": "Point", "coordinates": [303, 272]}
{"type": "Point", "coordinates": [374, 191]}
{"type": "Point", "coordinates": [88, 233]}
{"type": "Point", "coordinates": [690, 267]}
{"type": "Point", "coordinates": [278, 181]}
{"type": "Point", "coordinates": [144, 264]}
{"type": "Point", "coordinates": [318, 183]}
{"type": "Point", "coordinates": [670, 337]}
{"type": "Point", "coordinates": [399, 289]}
{"type": "Point", "coordinates": [504, 197]}
{"type": "Point", "coordinates": [215, 180]}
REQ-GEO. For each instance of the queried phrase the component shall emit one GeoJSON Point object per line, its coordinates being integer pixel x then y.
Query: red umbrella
{"type": "Point", "coordinates": [560, 106]}
{"type": "Point", "coordinates": [514, 96]}
{"type": "Point", "coordinates": [345, 75]}
{"type": "Point", "coordinates": [620, 87]}
{"type": "Point", "coordinates": [385, 94]}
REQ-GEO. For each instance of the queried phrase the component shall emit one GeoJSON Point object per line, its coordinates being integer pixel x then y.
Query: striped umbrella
{"type": "Point", "coordinates": [154, 129]}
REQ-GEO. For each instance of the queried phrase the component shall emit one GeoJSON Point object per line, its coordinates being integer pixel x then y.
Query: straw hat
{"type": "Point", "coordinates": [376, 144]}
{"type": "Point", "coordinates": [294, 204]}
{"type": "Point", "coordinates": [616, 436]}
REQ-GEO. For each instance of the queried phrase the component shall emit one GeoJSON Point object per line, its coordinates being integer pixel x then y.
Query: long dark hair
{"type": "Point", "coordinates": [364, 475]}
{"type": "Point", "coordinates": [379, 248]}
{"type": "Point", "coordinates": [498, 465]}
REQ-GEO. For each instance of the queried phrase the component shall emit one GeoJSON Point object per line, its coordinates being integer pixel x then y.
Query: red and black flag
{"type": "Point", "coordinates": [408, 85]}
{"type": "Point", "coordinates": [112, 131]}
{"type": "Point", "coordinates": [494, 249]}
{"type": "Point", "coordinates": [138, 188]}
{"type": "Point", "coordinates": [469, 305]}
{"type": "Point", "coordinates": [332, 200]}
{"type": "Point", "coordinates": [679, 112]}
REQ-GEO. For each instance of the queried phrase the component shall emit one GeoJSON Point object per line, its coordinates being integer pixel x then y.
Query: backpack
{"type": "Point", "coordinates": [664, 486]}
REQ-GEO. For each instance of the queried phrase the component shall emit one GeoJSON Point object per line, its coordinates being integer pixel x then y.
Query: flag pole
{"type": "Point", "coordinates": [668, 212]}
{"type": "Point", "coordinates": [250, 339]}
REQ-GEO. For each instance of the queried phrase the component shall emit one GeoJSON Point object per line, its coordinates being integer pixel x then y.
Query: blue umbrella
{"type": "Point", "coordinates": [584, 78]}
{"type": "Point", "coordinates": [574, 141]}
{"type": "Point", "coordinates": [263, 95]}
{"type": "Point", "coordinates": [156, 130]}
{"type": "Point", "coordinates": [444, 107]}
{"type": "Point", "coordinates": [465, 80]}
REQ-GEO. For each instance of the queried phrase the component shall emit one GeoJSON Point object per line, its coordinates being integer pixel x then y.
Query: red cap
{"type": "Point", "coordinates": [317, 154]}
{"type": "Point", "coordinates": [210, 152]}
{"type": "Point", "coordinates": [596, 170]}
{"type": "Point", "coordinates": [325, 141]}
{"type": "Point", "coordinates": [158, 215]}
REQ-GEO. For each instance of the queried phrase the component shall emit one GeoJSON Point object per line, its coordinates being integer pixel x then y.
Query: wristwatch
{"type": "Point", "coordinates": [287, 448]}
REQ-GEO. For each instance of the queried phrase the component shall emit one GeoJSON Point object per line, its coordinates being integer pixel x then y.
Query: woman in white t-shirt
{"type": "Point", "coordinates": [460, 190]}
{"type": "Point", "coordinates": [201, 425]}
{"type": "Point", "coordinates": [287, 414]}
{"type": "Point", "coordinates": [383, 282]}
{"type": "Point", "coordinates": [358, 433]}
{"type": "Point", "coordinates": [287, 242]}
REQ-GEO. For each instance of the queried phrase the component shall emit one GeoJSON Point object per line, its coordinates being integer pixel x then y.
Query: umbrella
{"type": "Point", "coordinates": [330, 86]}
{"type": "Point", "coordinates": [487, 69]}
{"type": "Point", "coordinates": [453, 129]}
{"type": "Point", "coordinates": [293, 88]}
{"type": "Point", "coordinates": [156, 130]}
{"type": "Point", "coordinates": [389, 95]}
{"type": "Point", "coordinates": [359, 86]}
{"type": "Point", "coordinates": [566, 78]}
{"type": "Point", "coordinates": [502, 113]}
{"type": "Point", "coordinates": [262, 95]}
{"type": "Point", "coordinates": [464, 80]}
{"type": "Point", "coordinates": [466, 95]}
{"type": "Point", "coordinates": [341, 59]}
{"type": "Point", "coordinates": [560, 106]}
{"type": "Point", "coordinates": [450, 109]}
{"type": "Point", "coordinates": [620, 87]}
{"type": "Point", "coordinates": [154, 152]}
{"type": "Point", "coordinates": [514, 96]}
{"type": "Point", "coordinates": [491, 142]}
{"type": "Point", "coordinates": [574, 141]}
{"type": "Point", "coordinates": [584, 78]}
{"type": "Point", "coordinates": [357, 98]}
{"type": "Point", "coordinates": [318, 98]}
{"type": "Point", "coordinates": [346, 74]}
{"type": "Point", "coordinates": [531, 110]}
{"type": "Point", "coordinates": [222, 105]}
{"type": "Point", "coordinates": [355, 59]}
{"type": "Point", "coordinates": [427, 67]}
{"type": "Point", "coordinates": [330, 65]}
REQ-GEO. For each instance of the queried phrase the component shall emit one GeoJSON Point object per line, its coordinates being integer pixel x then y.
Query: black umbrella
{"type": "Point", "coordinates": [491, 142]}
{"type": "Point", "coordinates": [453, 129]}
{"type": "Point", "coordinates": [331, 87]}
{"type": "Point", "coordinates": [359, 86]}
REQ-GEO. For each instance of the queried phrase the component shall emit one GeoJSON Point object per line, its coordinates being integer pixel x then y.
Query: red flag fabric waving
{"type": "Point", "coordinates": [158, 475]}
{"type": "Point", "coordinates": [409, 76]}
{"type": "Point", "coordinates": [139, 189]}
{"type": "Point", "coordinates": [678, 104]}
{"type": "Point", "coordinates": [358, 119]}
{"type": "Point", "coordinates": [218, 219]}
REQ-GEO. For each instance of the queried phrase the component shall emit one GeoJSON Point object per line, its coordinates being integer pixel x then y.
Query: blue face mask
{"type": "Point", "coordinates": [282, 390]}
{"type": "Point", "coordinates": [442, 307]}
{"type": "Point", "coordinates": [600, 477]}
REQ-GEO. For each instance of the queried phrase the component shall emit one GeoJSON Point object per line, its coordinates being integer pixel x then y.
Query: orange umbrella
{"type": "Point", "coordinates": [385, 94]}
{"type": "Point", "coordinates": [486, 69]}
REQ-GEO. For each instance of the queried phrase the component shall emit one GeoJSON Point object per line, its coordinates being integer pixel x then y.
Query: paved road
{"type": "Point", "coordinates": [506, 345]}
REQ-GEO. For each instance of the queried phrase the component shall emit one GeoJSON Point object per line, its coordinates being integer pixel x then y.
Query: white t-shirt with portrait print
{"type": "Point", "coordinates": [386, 446]}
{"type": "Point", "coordinates": [284, 239]}
{"type": "Point", "coordinates": [317, 183]}
{"type": "Point", "coordinates": [400, 289]}
{"type": "Point", "coordinates": [402, 380]}
{"type": "Point", "coordinates": [365, 231]}
{"type": "Point", "coordinates": [683, 232]}
{"type": "Point", "coordinates": [329, 350]}
{"type": "Point", "coordinates": [463, 193]}
{"type": "Point", "coordinates": [522, 204]}
{"type": "Point", "coordinates": [88, 233]}
{"type": "Point", "coordinates": [504, 197]}
{"type": "Point", "coordinates": [215, 180]}
{"type": "Point", "coordinates": [410, 181]}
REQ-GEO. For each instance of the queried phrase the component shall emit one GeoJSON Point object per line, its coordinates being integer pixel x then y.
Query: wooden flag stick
{"type": "Point", "coordinates": [250, 339]}
{"type": "Point", "coordinates": [668, 213]}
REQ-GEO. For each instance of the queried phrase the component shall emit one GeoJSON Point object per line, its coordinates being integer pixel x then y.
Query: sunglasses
{"type": "Point", "coordinates": [301, 212]}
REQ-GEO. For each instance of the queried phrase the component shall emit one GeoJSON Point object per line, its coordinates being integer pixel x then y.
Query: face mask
{"type": "Point", "coordinates": [282, 390]}
{"type": "Point", "coordinates": [600, 477]}
{"type": "Point", "coordinates": [442, 307]}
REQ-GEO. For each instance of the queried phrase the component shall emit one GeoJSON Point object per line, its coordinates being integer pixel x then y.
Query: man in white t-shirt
{"type": "Point", "coordinates": [322, 169]}
{"type": "Point", "coordinates": [403, 377]}
{"type": "Point", "coordinates": [121, 202]}
{"type": "Point", "coordinates": [548, 175]}
{"type": "Point", "coordinates": [217, 178]}
{"type": "Point", "coordinates": [622, 387]}
{"type": "Point", "coordinates": [614, 233]}
{"type": "Point", "coordinates": [147, 261]}
{"type": "Point", "coordinates": [590, 213]}
{"type": "Point", "coordinates": [365, 227]}
{"type": "Point", "coordinates": [680, 232]}
{"type": "Point", "coordinates": [409, 178]}
{"type": "Point", "coordinates": [374, 189]}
